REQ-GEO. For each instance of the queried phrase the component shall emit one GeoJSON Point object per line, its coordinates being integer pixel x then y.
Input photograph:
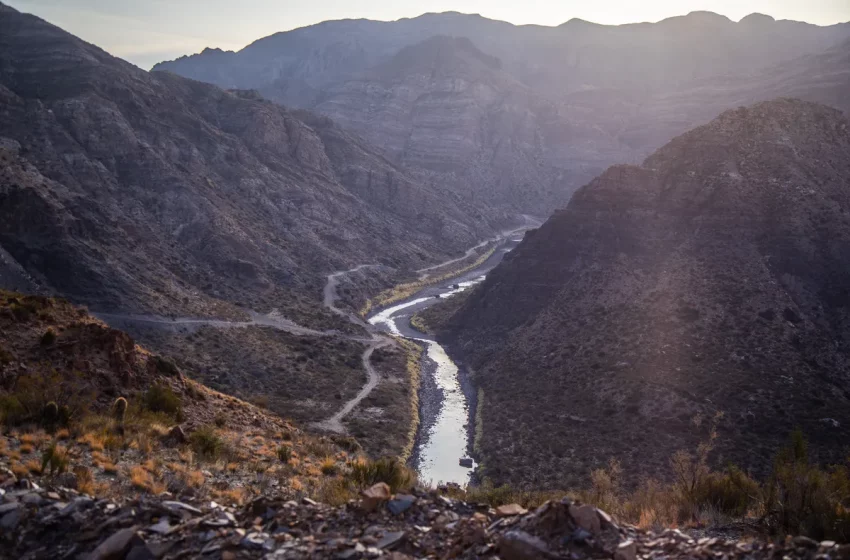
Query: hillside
{"type": "Point", "coordinates": [151, 193]}
{"type": "Point", "coordinates": [710, 280]}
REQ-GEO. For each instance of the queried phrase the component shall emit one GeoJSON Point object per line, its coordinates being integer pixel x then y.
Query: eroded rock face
{"type": "Point", "coordinates": [154, 193]}
{"type": "Point", "coordinates": [710, 279]}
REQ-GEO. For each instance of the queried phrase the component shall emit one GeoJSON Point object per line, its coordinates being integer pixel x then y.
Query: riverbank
{"type": "Point", "coordinates": [447, 396]}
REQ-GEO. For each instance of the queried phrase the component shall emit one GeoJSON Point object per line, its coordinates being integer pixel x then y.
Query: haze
{"type": "Point", "coordinates": [148, 32]}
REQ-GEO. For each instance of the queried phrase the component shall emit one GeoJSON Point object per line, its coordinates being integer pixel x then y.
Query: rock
{"type": "Point", "coordinates": [509, 510]}
{"type": "Point", "coordinates": [177, 506]}
{"type": "Point", "coordinates": [390, 540]}
{"type": "Point", "coordinates": [375, 496]}
{"type": "Point", "coordinates": [116, 546]}
{"type": "Point", "coordinates": [10, 520]}
{"type": "Point", "coordinates": [626, 550]}
{"type": "Point", "coordinates": [519, 545]}
{"type": "Point", "coordinates": [401, 503]}
{"type": "Point", "coordinates": [141, 552]}
{"type": "Point", "coordinates": [805, 542]}
{"type": "Point", "coordinates": [161, 528]}
{"type": "Point", "coordinates": [7, 507]}
{"type": "Point", "coordinates": [67, 480]}
{"type": "Point", "coordinates": [585, 516]}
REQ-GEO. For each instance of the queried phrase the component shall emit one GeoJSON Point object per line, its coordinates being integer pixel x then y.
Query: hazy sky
{"type": "Point", "coordinates": [148, 31]}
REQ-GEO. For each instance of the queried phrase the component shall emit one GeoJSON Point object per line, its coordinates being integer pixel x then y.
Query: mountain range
{"type": "Point", "coordinates": [523, 115]}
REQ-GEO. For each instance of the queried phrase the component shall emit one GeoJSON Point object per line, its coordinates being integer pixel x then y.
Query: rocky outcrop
{"type": "Point", "coordinates": [151, 192]}
{"type": "Point", "coordinates": [711, 279]}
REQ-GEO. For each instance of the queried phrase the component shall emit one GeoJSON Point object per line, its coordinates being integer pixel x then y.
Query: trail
{"type": "Point", "coordinates": [273, 319]}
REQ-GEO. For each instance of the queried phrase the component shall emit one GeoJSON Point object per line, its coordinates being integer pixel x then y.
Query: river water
{"type": "Point", "coordinates": [445, 392]}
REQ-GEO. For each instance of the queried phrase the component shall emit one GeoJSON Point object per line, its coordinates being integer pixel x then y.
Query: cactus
{"type": "Point", "coordinates": [119, 410]}
{"type": "Point", "coordinates": [50, 414]}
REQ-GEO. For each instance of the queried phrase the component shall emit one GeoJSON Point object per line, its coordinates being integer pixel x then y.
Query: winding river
{"type": "Point", "coordinates": [445, 394]}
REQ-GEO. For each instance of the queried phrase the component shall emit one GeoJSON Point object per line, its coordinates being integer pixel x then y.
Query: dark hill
{"type": "Point", "coordinates": [711, 279]}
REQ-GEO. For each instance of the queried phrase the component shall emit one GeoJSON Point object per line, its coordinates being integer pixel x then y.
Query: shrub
{"type": "Point", "coordinates": [49, 337]}
{"type": "Point", "coordinates": [329, 466]}
{"type": "Point", "coordinates": [284, 453]}
{"type": "Point", "coordinates": [206, 443]}
{"type": "Point", "coordinates": [166, 366]}
{"type": "Point", "coordinates": [220, 420]}
{"type": "Point", "coordinates": [390, 470]}
{"type": "Point", "coordinates": [801, 498]}
{"type": "Point", "coordinates": [161, 398]}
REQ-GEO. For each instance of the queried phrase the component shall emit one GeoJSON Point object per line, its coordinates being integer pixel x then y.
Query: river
{"type": "Point", "coordinates": [446, 395]}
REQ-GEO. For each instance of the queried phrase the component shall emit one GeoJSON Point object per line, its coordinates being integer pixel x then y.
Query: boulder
{"type": "Point", "coordinates": [375, 496]}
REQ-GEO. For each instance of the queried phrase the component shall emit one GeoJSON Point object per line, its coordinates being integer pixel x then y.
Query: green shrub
{"type": "Point", "coordinates": [12, 410]}
{"type": "Point", "coordinates": [166, 366]}
{"type": "Point", "coordinates": [207, 444]}
{"type": "Point", "coordinates": [49, 337]}
{"type": "Point", "coordinates": [801, 498]}
{"type": "Point", "coordinates": [390, 470]}
{"type": "Point", "coordinates": [161, 398]}
{"type": "Point", "coordinates": [284, 453]}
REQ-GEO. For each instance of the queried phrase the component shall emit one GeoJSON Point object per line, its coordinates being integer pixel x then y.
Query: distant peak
{"type": "Point", "coordinates": [578, 22]}
{"type": "Point", "coordinates": [756, 18]}
{"type": "Point", "coordinates": [701, 17]}
{"type": "Point", "coordinates": [212, 50]}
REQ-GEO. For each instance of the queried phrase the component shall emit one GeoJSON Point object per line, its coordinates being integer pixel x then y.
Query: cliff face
{"type": "Point", "coordinates": [710, 279]}
{"type": "Point", "coordinates": [449, 111]}
{"type": "Point", "coordinates": [151, 192]}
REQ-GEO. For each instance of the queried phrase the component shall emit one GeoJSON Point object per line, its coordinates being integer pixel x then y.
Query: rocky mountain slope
{"type": "Point", "coordinates": [150, 192]}
{"type": "Point", "coordinates": [711, 279]}
{"type": "Point", "coordinates": [554, 108]}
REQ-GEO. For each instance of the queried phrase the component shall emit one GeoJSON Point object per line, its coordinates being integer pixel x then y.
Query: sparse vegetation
{"type": "Point", "coordinates": [161, 398]}
{"type": "Point", "coordinates": [394, 473]}
{"type": "Point", "coordinates": [207, 443]}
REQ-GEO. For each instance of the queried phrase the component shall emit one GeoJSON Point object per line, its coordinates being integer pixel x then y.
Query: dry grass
{"type": "Point", "coordinates": [94, 441]}
{"type": "Point", "coordinates": [329, 466]}
{"type": "Point", "coordinates": [63, 434]}
{"type": "Point", "coordinates": [232, 496]}
{"type": "Point", "coordinates": [19, 470]}
{"type": "Point", "coordinates": [33, 466]}
{"type": "Point", "coordinates": [85, 480]}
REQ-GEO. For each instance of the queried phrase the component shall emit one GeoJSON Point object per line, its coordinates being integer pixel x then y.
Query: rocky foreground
{"type": "Point", "coordinates": [58, 522]}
